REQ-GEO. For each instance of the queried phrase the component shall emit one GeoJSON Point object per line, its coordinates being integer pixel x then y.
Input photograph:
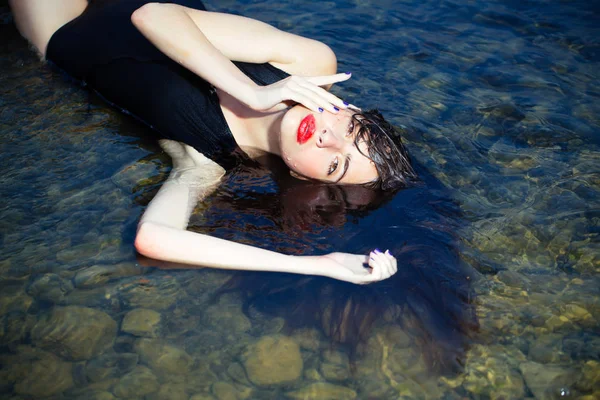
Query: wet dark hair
{"type": "Point", "coordinates": [385, 149]}
{"type": "Point", "coordinates": [430, 297]}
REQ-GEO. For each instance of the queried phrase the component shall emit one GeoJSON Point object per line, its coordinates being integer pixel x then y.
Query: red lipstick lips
{"type": "Point", "coordinates": [306, 129]}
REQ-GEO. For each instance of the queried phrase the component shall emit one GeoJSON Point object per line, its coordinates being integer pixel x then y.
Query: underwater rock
{"type": "Point", "coordinates": [514, 279]}
{"type": "Point", "coordinates": [39, 373]}
{"type": "Point", "coordinates": [336, 366]}
{"type": "Point", "coordinates": [15, 326]}
{"type": "Point", "coordinates": [105, 297]}
{"type": "Point", "coordinates": [335, 372]}
{"type": "Point", "coordinates": [388, 349]}
{"type": "Point", "coordinates": [162, 357]}
{"type": "Point", "coordinates": [312, 374]}
{"type": "Point", "coordinates": [225, 391]}
{"type": "Point", "coordinates": [322, 391]}
{"type": "Point", "coordinates": [308, 338]}
{"type": "Point", "coordinates": [96, 395]}
{"type": "Point", "coordinates": [98, 275]}
{"type": "Point", "coordinates": [81, 392]}
{"type": "Point", "coordinates": [335, 357]}
{"type": "Point", "coordinates": [75, 254]}
{"type": "Point", "coordinates": [374, 384]}
{"type": "Point", "coordinates": [589, 380]}
{"type": "Point", "coordinates": [394, 335]}
{"type": "Point", "coordinates": [139, 382]}
{"type": "Point", "coordinates": [130, 175]}
{"type": "Point", "coordinates": [547, 349]}
{"type": "Point", "coordinates": [141, 322]}
{"type": "Point", "coordinates": [200, 379]}
{"type": "Point", "coordinates": [11, 302]}
{"type": "Point", "coordinates": [273, 360]}
{"type": "Point", "coordinates": [227, 316]}
{"type": "Point", "coordinates": [505, 153]}
{"type": "Point", "coordinates": [203, 396]}
{"type": "Point", "coordinates": [237, 373]}
{"type": "Point", "coordinates": [493, 372]}
{"type": "Point", "coordinates": [542, 379]}
{"type": "Point", "coordinates": [578, 314]}
{"type": "Point", "coordinates": [558, 323]}
{"type": "Point", "coordinates": [169, 391]}
{"type": "Point", "coordinates": [265, 324]}
{"type": "Point", "coordinates": [156, 294]}
{"type": "Point", "coordinates": [75, 333]}
{"type": "Point", "coordinates": [110, 365]}
{"type": "Point", "coordinates": [204, 342]}
{"type": "Point", "coordinates": [50, 287]}
{"type": "Point", "coordinates": [180, 323]}
{"type": "Point", "coordinates": [205, 282]}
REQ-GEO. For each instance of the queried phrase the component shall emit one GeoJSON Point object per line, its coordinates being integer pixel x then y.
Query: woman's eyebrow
{"type": "Point", "coordinates": [346, 165]}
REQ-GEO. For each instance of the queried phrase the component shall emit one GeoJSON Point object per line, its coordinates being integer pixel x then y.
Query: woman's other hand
{"type": "Point", "coordinates": [307, 91]}
{"type": "Point", "coordinates": [351, 267]}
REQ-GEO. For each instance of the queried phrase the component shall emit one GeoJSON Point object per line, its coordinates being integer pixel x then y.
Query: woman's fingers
{"type": "Point", "coordinates": [383, 265]}
{"type": "Point", "coordinates": [303, 90]}
{"type": "Point", "coordinates": [304, 97]}
{"type": "Point", "coordinates": [325, 80]}
{"type": "Point", "coordinates": [316, 99]}
{"type": "Point", "coordinates": [328, 100]}
{"type": "Point", "coordinates": [320, 99]}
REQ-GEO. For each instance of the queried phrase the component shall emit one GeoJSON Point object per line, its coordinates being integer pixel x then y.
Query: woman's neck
{"type": "Point", "coordinates": [254, 132]}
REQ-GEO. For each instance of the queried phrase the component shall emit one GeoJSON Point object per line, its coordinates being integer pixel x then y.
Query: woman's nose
{"type": "Point", "coordinates": [328, 139]}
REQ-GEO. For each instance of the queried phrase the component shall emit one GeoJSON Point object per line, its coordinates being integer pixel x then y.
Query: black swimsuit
{"type": "Point", "coordinates": [102, 49]}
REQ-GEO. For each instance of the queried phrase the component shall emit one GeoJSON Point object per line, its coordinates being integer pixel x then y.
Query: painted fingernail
{"type": "Point", "coordinates": [320, 109]}
{"type": "Point", "coordinates": [335, 108]}
{"type": "Point", "coordinates": [348, 73]}
{"type": "Point", "coordinates": [377, 251]}
{"type": "Point", "coordinates": [346, 104]}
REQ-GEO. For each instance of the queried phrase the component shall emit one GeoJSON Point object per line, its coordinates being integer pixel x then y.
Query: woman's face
{"type": "Point", "coordinates": [321, 146]}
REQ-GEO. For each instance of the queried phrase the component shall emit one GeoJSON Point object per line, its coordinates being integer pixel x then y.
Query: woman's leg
{"type": "Point", "coordinates": [37, 20]}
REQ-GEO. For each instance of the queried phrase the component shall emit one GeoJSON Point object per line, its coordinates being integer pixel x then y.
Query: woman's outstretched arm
{"type": "Point", "coordinates": [206, 43]}
{"type": "Point", "coordinates": [162, 231]}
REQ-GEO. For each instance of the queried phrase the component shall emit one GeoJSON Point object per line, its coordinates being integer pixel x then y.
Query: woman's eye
{"type": "Point", "coordinates": [333, 166]}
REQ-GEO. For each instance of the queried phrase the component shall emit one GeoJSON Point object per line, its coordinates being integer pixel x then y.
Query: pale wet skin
{"type": "Point", "coordinates": [503, 99]}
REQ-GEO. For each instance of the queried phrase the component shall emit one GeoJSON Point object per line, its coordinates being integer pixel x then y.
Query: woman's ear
{"type": "Point", "coordinates": [298, 176]}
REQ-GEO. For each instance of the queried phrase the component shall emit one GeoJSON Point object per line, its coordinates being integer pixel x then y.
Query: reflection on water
{"type": "Point", "coordinates": [497, 293]}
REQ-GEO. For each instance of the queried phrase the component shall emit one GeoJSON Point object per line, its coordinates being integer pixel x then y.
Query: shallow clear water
{"type": "Point", "coordinates": [497, 295]}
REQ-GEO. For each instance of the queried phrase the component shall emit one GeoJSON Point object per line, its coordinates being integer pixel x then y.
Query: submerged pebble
{"type": "Point", "coordinates": [98, 275]}
{"type": "Point", "coordinates": [110, 365]}
{"type": "Point", "coordinates": [137, 383]}
{"type": "Point", "coordinates": [37, 373]}
{"type": "Point", "coordinates": [542, 379]}
{"type": "Point", "coordinates": [323, 391]}
{"type": "Point", "coordinates": [273, 360]}
{"type": "Point", "coordinates": [73, 332]}
{"type": "Point", "coordinates": [163, 358]}
{"type": "Point", "coordinates": [50, 287]}
{"type": "Point", "coordinates": [142, 322]}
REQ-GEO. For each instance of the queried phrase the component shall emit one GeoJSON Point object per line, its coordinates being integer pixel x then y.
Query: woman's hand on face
{"type": "Point", "coordinates": [302, 90]}
{"type": "Point", "coordinates": [350, 267]}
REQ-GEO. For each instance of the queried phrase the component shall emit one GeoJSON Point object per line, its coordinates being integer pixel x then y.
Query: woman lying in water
{"type": "Point", "coordinates": [217, 82]}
